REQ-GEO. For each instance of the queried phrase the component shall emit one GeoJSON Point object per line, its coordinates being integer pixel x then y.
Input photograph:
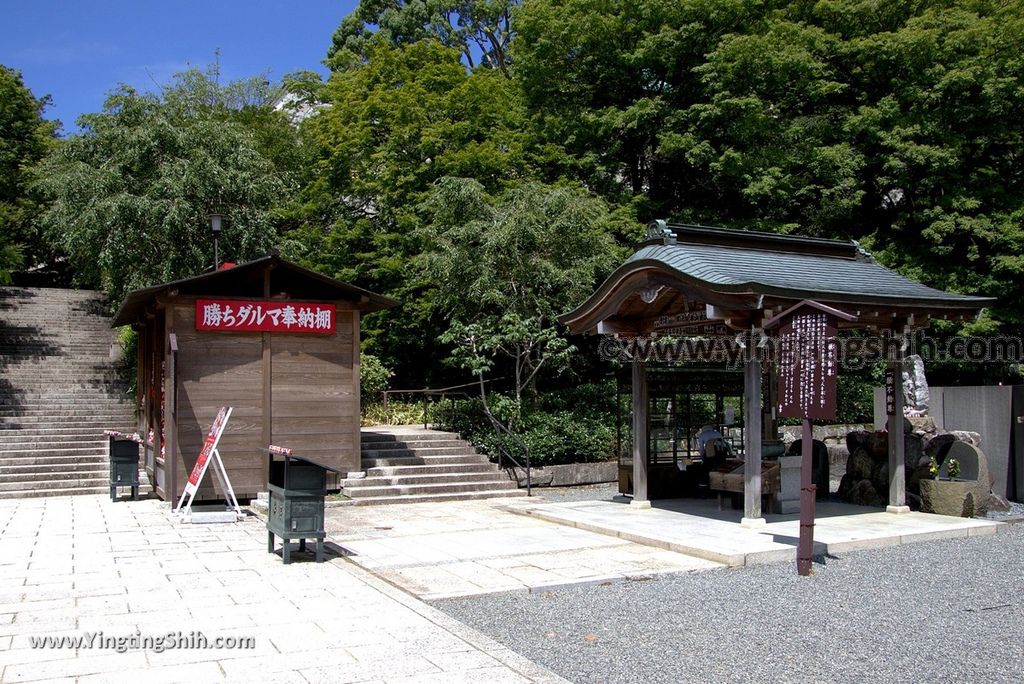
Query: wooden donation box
{"type": "Point", "coordinates": [728, 478]}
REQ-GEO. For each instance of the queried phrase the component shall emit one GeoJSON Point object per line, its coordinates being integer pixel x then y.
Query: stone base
{"type": "Point", "coordinates": [951, 497]}
{"type": "Point", "coordinates": [898, 510]}
{"type": "Point", "coordinates": [753, 523]}
{"type": "Point", "coordinates": [640, 504]}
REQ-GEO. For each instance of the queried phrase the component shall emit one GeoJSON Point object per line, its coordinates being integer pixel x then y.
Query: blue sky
{"type": "Point", "coordinates": [77, 52]}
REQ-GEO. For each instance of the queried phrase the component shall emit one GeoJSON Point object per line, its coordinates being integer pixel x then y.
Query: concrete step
{"type": "Point", "coordinates": [63, 451]}
{"type": "Point", "coordinates": [415, 480]}
{"type": "Point", "coordinates": [33, 480]}
{"type": "Point", "coordinates": [424, 498]}
{"type": "Point", "coordinates": [92, 466]}
{"type": "Point", "coordinates": [396, 471]}
{"type": "Point", "coordinates": [368, 435]}
{"type": "Point", "coordinates": [419, 460]}
{"type": "Point", "coordinates": [414, 444]}
{"type": "Point", "coordinates": [17, 441]}
{"type": "Point", "coordinates": [420, 452]}
{"type": "Point", "coordinates": [55, 484]}
{"type": "Point", "coordinates": [44, 459]}
{"type": "Point", "coordinates": [490, 484]}
{"type": "Point", "coordinates": [144, 491]}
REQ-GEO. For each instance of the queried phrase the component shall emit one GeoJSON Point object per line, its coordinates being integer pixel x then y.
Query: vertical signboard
{"type": "Point", "coordinates": [808, 359]}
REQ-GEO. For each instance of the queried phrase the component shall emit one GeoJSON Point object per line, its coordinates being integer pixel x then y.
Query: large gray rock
{"type": "Point", "coordinates": [969, 493]}
{"type": "Point", "coordinates": [860, 464]}
{"type": "Point", "coordinates": [863, 493]}
{"type": "Point", "coordinates": [915, 385]}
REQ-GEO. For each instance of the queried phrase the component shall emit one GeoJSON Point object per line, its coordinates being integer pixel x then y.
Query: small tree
{"type": "Point", "coordinates": [24, 138]}
{"type": "Point", "coordinates": [130, 195]}
{"type": "Point", "coordinates": [505, 268]}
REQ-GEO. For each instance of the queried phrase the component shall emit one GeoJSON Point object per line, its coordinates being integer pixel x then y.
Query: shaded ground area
{"type": "Point", "coordinates": [946, 610]}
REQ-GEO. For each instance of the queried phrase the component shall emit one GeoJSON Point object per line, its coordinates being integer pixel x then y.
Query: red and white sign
{"type": "Point", "coordinates": [209, 454]}
{"type": "Point", "coordinates": [240, 315]}
{"type": "Point", "coordinates": [209, 444]}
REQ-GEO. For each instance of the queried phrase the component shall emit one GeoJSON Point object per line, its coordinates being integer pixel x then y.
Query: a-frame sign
{"type": "Point", "coordinates": [208, 455]}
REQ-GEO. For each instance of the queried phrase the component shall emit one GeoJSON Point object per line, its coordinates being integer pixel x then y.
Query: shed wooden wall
{"type": "Point", "coordinates": [300, 391]}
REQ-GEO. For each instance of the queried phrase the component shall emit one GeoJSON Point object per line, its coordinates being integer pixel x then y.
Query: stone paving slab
{"type": "Point", "coordinates": [70, 566]}
{"type": "Point", "coordinates": [471, 548]}
{"type": "Point", "coordinates": [697, 528]}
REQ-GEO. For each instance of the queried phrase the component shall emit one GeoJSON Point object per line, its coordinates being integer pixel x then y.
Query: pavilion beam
{"type": "Point", "coordinates": [897, 469]}
{"type": "Point", "coordinates": [640, 498]}
{"type": "Point", "coordinates": [752, 441]}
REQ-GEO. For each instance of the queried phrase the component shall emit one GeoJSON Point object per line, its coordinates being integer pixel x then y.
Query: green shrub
{"type": "Point", "coordinates": [553, 436]}
{"type": "Point", "coordinates": [395, 413]}
{"type": "Point", "coordinates": [374, 377]}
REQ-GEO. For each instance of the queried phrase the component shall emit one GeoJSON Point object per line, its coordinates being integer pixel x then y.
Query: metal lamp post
{"type": "Point", "coordinates": [215, 220]}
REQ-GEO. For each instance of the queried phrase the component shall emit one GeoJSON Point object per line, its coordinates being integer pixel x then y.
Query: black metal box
{"type": "Point", "coordinates": [297, 487]}
{"type": "Point", "coordinates": [123, 452]}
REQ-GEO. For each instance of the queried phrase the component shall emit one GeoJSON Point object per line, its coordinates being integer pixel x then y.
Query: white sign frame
{"type": "Point", "coordinates": [219, 471]}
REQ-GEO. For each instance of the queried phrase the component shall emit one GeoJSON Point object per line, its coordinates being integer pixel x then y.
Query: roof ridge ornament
{"type": "Point", "coordinates": [862, 254]}
{"type": "Point", "coordinates": [659, 230]}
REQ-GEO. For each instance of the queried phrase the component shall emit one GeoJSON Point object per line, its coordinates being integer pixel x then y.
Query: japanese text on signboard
{"type": "Point", "coordinates": [807, 366]}
{"type": "Point", "coordinates": [249, 316]}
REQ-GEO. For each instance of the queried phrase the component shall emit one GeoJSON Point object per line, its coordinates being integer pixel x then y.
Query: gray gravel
{"type": "Point", "coordinates": [948, 610]}
{"type": "Point", "coordinates": [597, 492]}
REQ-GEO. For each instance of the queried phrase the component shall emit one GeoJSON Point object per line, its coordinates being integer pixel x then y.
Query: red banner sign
{"type": "Point", "coordinates": [233, 315]}
{"type": "Point", "coordinates": [212, 438]}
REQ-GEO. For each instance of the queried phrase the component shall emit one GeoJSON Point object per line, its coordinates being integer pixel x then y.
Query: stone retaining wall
{"type": "Point", "coordinates": [570, 474]}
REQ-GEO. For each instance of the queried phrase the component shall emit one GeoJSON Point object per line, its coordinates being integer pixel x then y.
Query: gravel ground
{"type": "Point", "coordinates": [949, 610]}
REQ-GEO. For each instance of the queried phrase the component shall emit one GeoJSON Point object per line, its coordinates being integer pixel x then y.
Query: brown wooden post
{"type": "Point", "coordinates": [267, 373]}
{"type": "Point", "coordinates": [897, 474]}
{"type": "Point", "coordinates": [808, 493]}
{"type": "Point", "coordinates": [357, 439]}
{"type": "Point", "coordinates": [169, 440]}
{"type": "Point", "coordinates": [752, 440]}
{"type": "Point", "coordinates": [640, 434]}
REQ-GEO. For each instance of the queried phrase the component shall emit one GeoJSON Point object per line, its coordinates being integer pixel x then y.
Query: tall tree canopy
{"type": "Point", "coordinates": [391, 127]}
{"type": "Point", "coordinates": [25, 137]}
{"type": "Point", "coordinates": [130, 195]}
{"type": "Point", "coordinates": [890, 122]}
{"type": "Point", "coordinates": [479, 29]}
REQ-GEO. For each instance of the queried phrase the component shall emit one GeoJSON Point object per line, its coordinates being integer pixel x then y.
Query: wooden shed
{"type": "Point", "coordinates": [277, 342]}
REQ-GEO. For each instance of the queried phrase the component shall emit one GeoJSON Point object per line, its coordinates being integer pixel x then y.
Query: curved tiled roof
{"type": "Point", "coordinates": [735, 268]}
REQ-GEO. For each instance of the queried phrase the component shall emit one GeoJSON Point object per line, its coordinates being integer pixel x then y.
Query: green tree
{"type": "Point", "coordinates": [391, 127]}
{"type": "Point", "coordinates": [886, 123]}
{"type": "Point", "coordinates": [25, 137]}
{"type": "Point", "coordinates": [505, 268]}
{"type": "Point", "coordinates": [130, 195]}
{"type": "Point", "coordinates": [479, 29]}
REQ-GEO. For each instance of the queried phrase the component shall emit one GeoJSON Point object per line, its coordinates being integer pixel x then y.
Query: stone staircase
{"type": "Point", "coordinates": [406, 464]}
{"type": "Point", "coordinates": [59, 389]}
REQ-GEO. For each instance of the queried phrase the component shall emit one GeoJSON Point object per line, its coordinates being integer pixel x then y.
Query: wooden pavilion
{"type": "Point", "coordinates": [277, 342]}
{"type": "Point", "coordinates": [697, 280]}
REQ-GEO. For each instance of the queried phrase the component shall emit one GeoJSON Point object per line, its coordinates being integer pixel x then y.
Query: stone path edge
{"type": "Point", "coordinates": [522, 665]}
{"type": "Point", "coordinates": [762, 557]}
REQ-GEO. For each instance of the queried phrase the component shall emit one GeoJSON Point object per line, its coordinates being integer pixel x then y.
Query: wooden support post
{"type": "Point", "coordinates": [640, 434]}
{"type": "Point", "coordinates": [752, 441]}
{"type": "Point", "coordinates": [897, 470]}
{"type": "Point", "coordinates": [808, 493]}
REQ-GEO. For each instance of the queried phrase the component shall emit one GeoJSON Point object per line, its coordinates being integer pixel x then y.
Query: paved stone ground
{"type": "Point", "coordinates": [468, 548]}
{"type": "Point", "coordinates": [72, 566]}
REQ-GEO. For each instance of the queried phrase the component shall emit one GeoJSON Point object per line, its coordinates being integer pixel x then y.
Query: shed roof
{"type": "Point", "coordinates": [723, 262]}
{"type": "Point", "coordinates": [245, 280]}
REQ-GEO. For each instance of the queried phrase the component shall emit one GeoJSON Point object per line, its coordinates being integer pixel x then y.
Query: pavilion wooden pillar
{"type": "Point", "coordinates": [640, 498]}
{"type": "Point", "coordinates": [752, 440]}
{"type": "Point", "coordinates": [897, 469]}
